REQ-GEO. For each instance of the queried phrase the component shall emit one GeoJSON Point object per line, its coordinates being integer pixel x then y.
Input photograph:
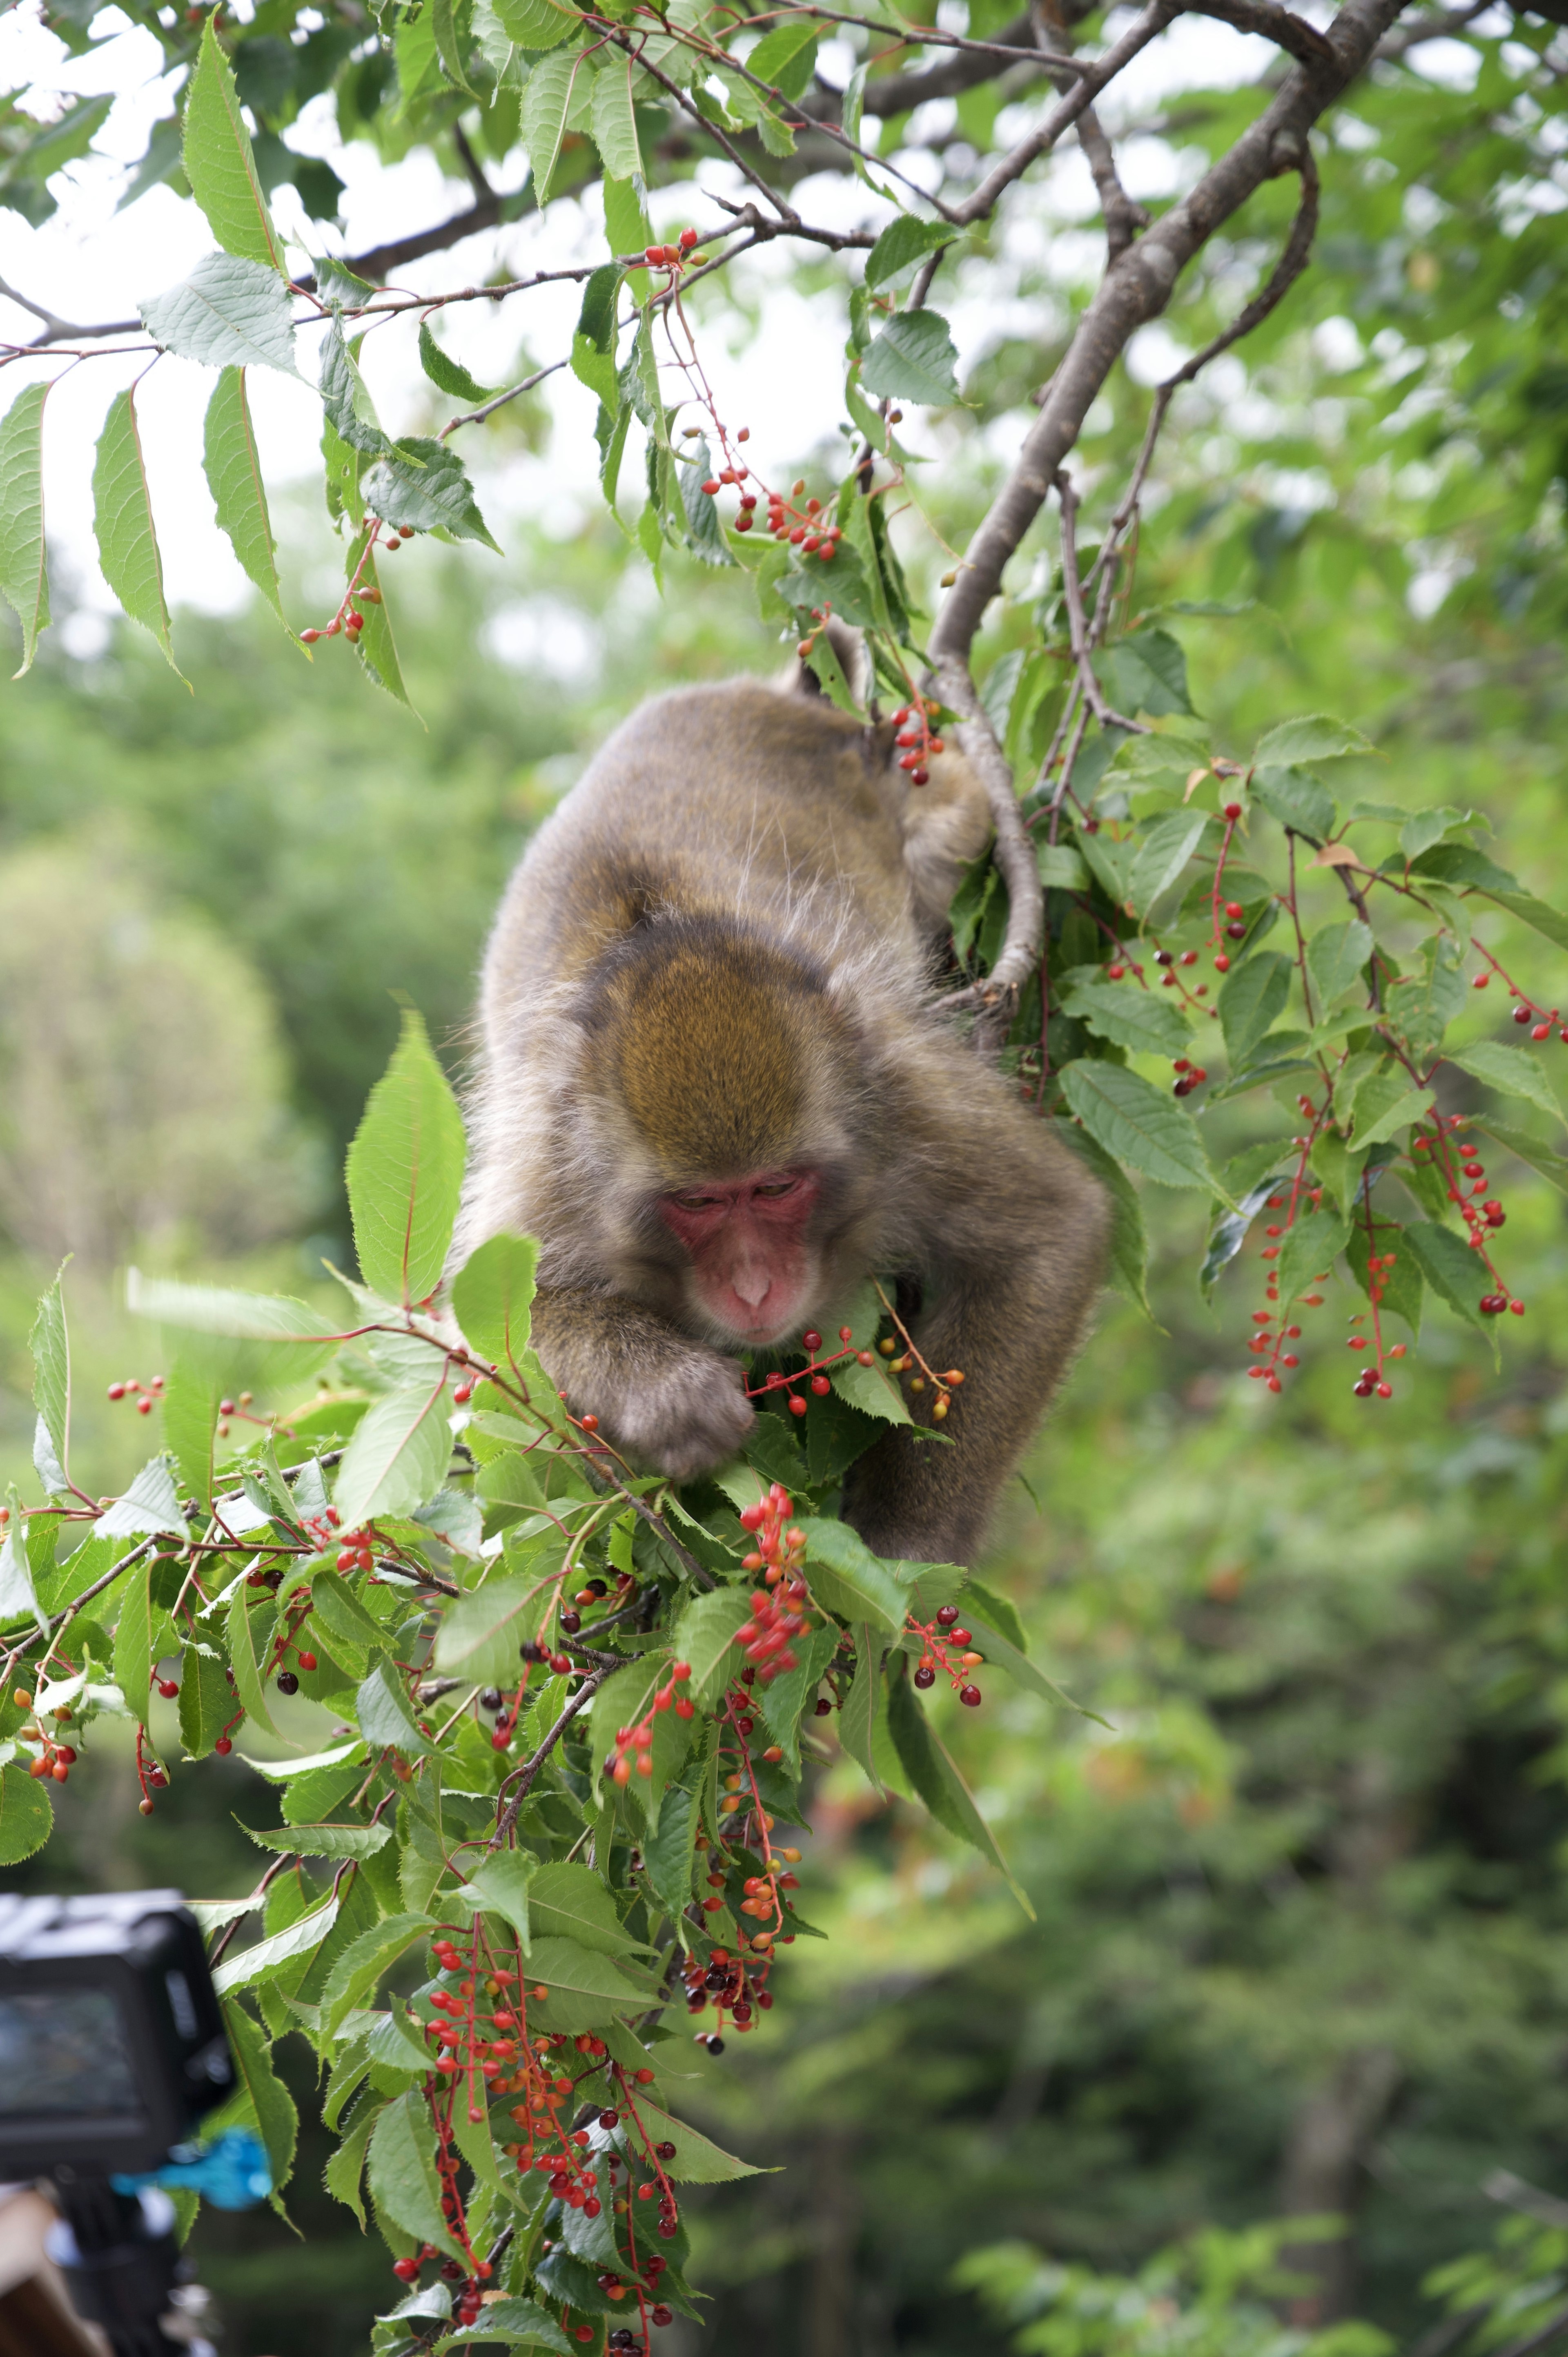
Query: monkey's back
{"type": "Point", "coordinates": [714, 800]}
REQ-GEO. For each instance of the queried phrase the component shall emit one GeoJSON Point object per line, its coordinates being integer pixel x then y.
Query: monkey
{"type": "Point", "coordinates": [714, 1082]}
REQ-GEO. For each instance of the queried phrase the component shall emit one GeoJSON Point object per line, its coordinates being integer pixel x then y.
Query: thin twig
{"type": "Point", "coordinates": [508, 1814]}
{"type": "Point", "coordinates": [1078, 631]}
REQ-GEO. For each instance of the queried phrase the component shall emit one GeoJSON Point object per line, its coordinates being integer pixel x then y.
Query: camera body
{"type": "Point", "coordinates": [111, 2043]}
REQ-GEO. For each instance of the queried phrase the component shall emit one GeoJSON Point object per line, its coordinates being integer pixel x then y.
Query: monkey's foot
{"type": "Point", "coordinates": [684, 1416]}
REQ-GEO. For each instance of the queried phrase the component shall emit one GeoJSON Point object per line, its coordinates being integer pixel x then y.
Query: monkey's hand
{"type": "Point", "coordinates": [663, 1400]}
{"type": "Point", "coordinates": [685, 1417]}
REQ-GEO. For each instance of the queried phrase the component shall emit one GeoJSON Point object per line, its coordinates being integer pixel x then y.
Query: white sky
{"type": "Point", "coordinates": [90, 262]}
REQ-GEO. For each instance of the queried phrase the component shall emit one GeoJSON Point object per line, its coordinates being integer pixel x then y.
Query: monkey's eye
{"type": "Point", "coordinates": [775, 1187]}
{"type": "Point", "coordinates": [696, 1203]}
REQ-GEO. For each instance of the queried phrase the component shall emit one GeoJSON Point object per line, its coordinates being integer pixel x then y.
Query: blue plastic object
{"type": "Point", "coordinates": [230, 2173]}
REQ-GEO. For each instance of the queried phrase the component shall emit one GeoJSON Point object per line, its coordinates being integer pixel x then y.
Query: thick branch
{"type": "Point", "coordinates": [1136, 288]}
{"type": "Point", "coordinates": [1293, 34]}
{"type": "Point", "coordinates": [1063, 115]}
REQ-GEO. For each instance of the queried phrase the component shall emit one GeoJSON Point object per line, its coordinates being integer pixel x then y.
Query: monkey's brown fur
{"type": "Point", "coordinates": [714, 959]}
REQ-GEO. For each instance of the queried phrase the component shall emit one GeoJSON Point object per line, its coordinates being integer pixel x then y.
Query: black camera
{"type": "Point", "coordinates": [112, 2052]}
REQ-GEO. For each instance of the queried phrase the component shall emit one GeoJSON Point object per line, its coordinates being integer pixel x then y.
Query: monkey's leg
{"type": "Point", "coordinates": [1017, 1239]}
{"type": "Point", "coordinates": [663, 1399]}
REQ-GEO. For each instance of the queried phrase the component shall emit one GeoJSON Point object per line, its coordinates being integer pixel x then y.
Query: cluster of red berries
{"type": "Point", "coordinates": [636, 1743]}
{"type": "Point", "coordinates": [939, 1640]}
{"type": "Point", "coordinates": [1541, 1024]}
{"type": "Point", "coordinates": [56, 1760]}
{"type": "Point", "coordinates": [735, 1984]}
{"type": "Point", "coordinates": [1189, 1076]}
{"type": "Point", "coordinates": [900, 1363]}
{"type": "Point", "coordinates": [677, 256]}
{"type": "Point", "coordinates": [356, 1553]}
{"type": "Point", "coordinates": [913, 723]}
{"type": "Point", "coordinates": [348, 618]}
{"type": "Point", "coordinates": [805, 527]}
{"type": "Point", "coordinates": [814, 1373]}
{"type": "Point", "coordinates": [143, 1394]}
{"type": "Point", "coordinates": [1481, 1220]}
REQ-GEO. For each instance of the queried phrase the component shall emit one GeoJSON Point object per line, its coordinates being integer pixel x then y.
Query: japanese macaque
{"type": "Point", "coordinates": [715, 1085]}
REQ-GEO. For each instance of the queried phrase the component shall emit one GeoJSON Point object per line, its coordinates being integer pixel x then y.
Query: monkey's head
{"type": "Point", "coordinates": [727, 1066]}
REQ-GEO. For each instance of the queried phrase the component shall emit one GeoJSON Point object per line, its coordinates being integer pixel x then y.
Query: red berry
{"type": "Point", "coordinates": [405, 2269]}
{"type": "Point", "coordinates": [167, 1688]}
{"type": "Point", "coordinates": [1521, 1015]}
{"type": "Point", "coordinates": [116, 1391]}
{"type": "Point", "coordinates": [797, 1405]}
{"type": "Point", "coordinates": [1222, 964]}
{"type": "Point", "coordinates": [1233, 809]}
{"type": "Point", "coordinates": [144, 1407]}
{"type": "Point", "coordinates": [969, 1696]}
{"type": "Point", "coordinates": [223, 1746]}
{"type": "Point", "coordinates": [810, 1339]}
{"type": "Point", "coordinates": [307, 1661]}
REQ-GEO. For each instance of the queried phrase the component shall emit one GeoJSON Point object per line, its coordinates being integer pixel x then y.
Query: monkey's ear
{"type": "Point", "coordinates": [849, 645]}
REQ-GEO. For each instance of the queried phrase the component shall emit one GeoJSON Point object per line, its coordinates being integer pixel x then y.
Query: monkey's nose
{"type": "Point", "coordinates": [751, 1285]}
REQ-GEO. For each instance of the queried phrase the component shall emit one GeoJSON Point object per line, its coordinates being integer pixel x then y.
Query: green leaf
{"type": "Point", "coordinates": [905, 240]}
{"type": "Point", "coordinates": [517, 2322]}
{"type": "Point", "coordinates": [1317, 737]}
{"type": "Point", "coordinates": [567, 1902]}
{"type": "Point", "coordinates": [1002, 1654]}
{"type": "Point", "coordinates": [492, 1294]}
{"type": "Point", "coordinates": [1147, 673]}
{"type": "Point", "coordinates": [1251, 997]}
{"type": "Point", "coordinates": [189, 1406]}
{"type": "Point", "coordinates": [405, 1173]}
{"type": "Point", "coordinates": [246, 1656]}
{"type": "Point", "coordinates": [1384, 1105]}
{"type": "Point", "coordinates": [447, 374]}
{"type": "Point", "coordinates": [425, 483]}
{"type": "Point", "coordinates": [784, 1701]}
{"type": "Point", "coordinates": [482, 1630]}
{"type": "Point", "coordinates": [1553, 1168]}
{"type": "Point", "coordinates": [403, 2182]}
{"type": "Point", "coordinates": [1511, 1071]}
{"type": "Point", "coordinates": [1310, 1246]}
{"type": "Point", "coordinates": [206, 1704]}
{"type": "Point", "coordinates": [343, 2172]}
{"type": "Point", "coordinates": [122, 523]}
{"type": "Point", "coordinates": [931, 1771]}
{"type": "Point", "coordinates": [262, 2093]}
{"type": "Point", "coordinates": [218, 162]}
{"type": "Point", "coordinates": [228, 313]}
{"type": "Point", "coordinates": [375, 644]}
{"type": "Point", "coordinates": [348, 1630]}
{"type": "Point", "coordinates": [269, 1957]}
{"type": "Point", "coordinates": [587, 1989]}
{"type": "Point", "coordinates": [398, 1457]}
{"type": "Point", "coordinates": [51, 1345]}
{"type": "Point", "coordinates": [323, 1841]}
{"type": "Point", "coordinates": [1000, 1612]}
{"type": "Point", "coordinates": [857, 1721]}
{"type": "Point", "coordinates": [149, 1504]}
{"type": "Point", "coordinates": [705, 1635]}
{"type": "Point", "coordinates": [23, 568]}
{"type": "Point", "coordinates": [545, 105]}
{"type": "Point", "coordinates": [1335, 956]}
{"type": "Point", "coordinates": [912, 359]}
{"type": "Point", "coordinates": [234, 479]}
{"type": "Point", "coordinates": [1400, 1286]}
{"type": "Point", "coordinates": [1136, 1123]}
{"type": "Point", "coordinates": [614, 121]}
{"type": "Point", "coordinates": [1450, 1267]}
{"type": "Point", "coordinates": [849, 1579]}
{"type": "Point", "coordinates": [668, 1852]}
{"type": "Point", "coordinates": [443, 24]}
{"type": "Point", "coordinates": [290, 1341]}
{"type": "Point", "coordinates": [359, 1970]}
{"type": "Point", "coordinates": [537, 23]}
{"type": "Point", "coordinates": [1141, 1019]}
{"type": "Point", "coordinates": [382, 1713]}
{"type": "Point", "coordinates": [696, 2161]}
{"type": "Point", "coordinates": [500, 1884]}
{"type": "Point", "coordinates": [1297, 799]}
{"type": "Point", "coordinates": [26, 1815]}
{"type": "Point", "coordinates": [345, 396]}
{"type": "Point", "coordinates": [133, 1640]}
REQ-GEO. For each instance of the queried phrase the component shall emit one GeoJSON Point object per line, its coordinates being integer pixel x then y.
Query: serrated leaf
{"type": "Point", "coordinates": [1400, 1286]}
{"type": "Point", "coordinates": [234, 479]}
{"type": "Point", "coordinates": [1335, 956]}
{"type": "Point", "coordinates": [26, 1815]}
{"type": "Point", "coordinates": [482, 1630]}
{"type": "Point", "coordinates": [1511, 1071]}
{"type": "Point", "coordinates": [1316, 737]}
{"type": "Point", "coordinates": [19, 1598]}
{"type": "Point", "coordinates": [846, 1577]}
{"type": "Point", "coordinates": [905, 240]}
{"type": "Point", "coordinates": [399, 1453]}
{"type": "Point", "coordinates": [345, 396]}
{"type": "Point", "coordinates": [1310, 1246]}
{"type": "Point", "coordinates": [219, 161]}
{"type": "Point", "coordinates": [1552, 1166]}
{"type": "Point", "coordinates": [1129, 1236]}
{"type": "Point", "coordinates": [696, 2161]}
{"type": "Point", "coordinates": [269, 1956]}
{"type": "Point", "coordinates": [424, 483]}
{"type": "Point", "coordinates": [912, 359]}
{"type": "Point", "coordinates": [23, 568]}
{"type": "Point", "coordinates": [359, 1970]}
{"type": "Point", "coordinates": [586, 1988]}
{"type": "Point", "coordinates": [615, 122]}
{"type": "Point", "coordinates": [403, 2182]}
{"type": "Point", "coordinates": [449, 375]}
{"type": "Point", "coordinates": [545, 105]}
{"type": "Point", "coordinates": [228, 313]}
{"type": "Point", "coordinates": [1385, 1104]}
{"type": "Point", "coordinates": [123, 523]}
{"type": "Point", "coordinates": [383, 1712]}
{"type": "Point", "coordinates": [857, 1720]}
{"type": "Point", "coordinates": [1134, 1121]}
{"type": "Point", "coordinates": [1002, 1654]}
{"type": "Point", "coordinates": [1297, 799]}
{"type": "Point", "coordinates": [930, 1770]}
{"type": "Point", "coordinates": [519, 2321]}
{"type": "Point", "coordinates": [190, 1405]}
{"type": "Point", "coordinates": [537, 23]}
{"type": "Point", "coordinates": [1229, 1232]}
{"type": "Point", "coordinates": [344, 2171]}
{"type": "Point", "coordinates": [206, 1702]}
{"type": "Point", "coordinates": [262, 2093]}
{"type": "Point", "coordinates": [668, 1852]}
{"type": "Point", "coordinates": [789, 1697]}
{"type": "Point", "coordinates": [50, 1343]}
{"type": "Point", "coordinates": [246, 1656]}
{"type": "Point", "coordinates": [500, 1885]}
{"type": "Point", "coordinates": [705, 1636]}
{"type": "Point", "coordinates": [492, 1296]}
{"type": "Point", "coordinates": [567, 1902]}
{"type": "Point", "coordinates": [375, 644]}
{"type": "Point", "coordinates": [324, 1841]}
{"type": "Point", "coordinates": [1453, 1271]}
{"type": "Point", "coordinates": [151, 1503]}
{"type": "Point", "coordinates": [405, 1173]}
{"type": "Point", "coordinates": [1145, 1020]}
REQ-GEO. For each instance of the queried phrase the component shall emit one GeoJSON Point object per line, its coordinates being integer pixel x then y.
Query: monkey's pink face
{"type": "Point", "coordinates": [752, 1267]}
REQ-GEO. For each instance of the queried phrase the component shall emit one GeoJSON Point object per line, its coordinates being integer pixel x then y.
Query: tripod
{"type": "Point", "coordinates": [120, 2259]}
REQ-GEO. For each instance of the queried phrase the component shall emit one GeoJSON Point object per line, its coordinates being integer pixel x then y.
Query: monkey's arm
{"type": "Point", "coordinates": [668, 1402]}
{"type": "Point", "coordinates": [1017, 1231]}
